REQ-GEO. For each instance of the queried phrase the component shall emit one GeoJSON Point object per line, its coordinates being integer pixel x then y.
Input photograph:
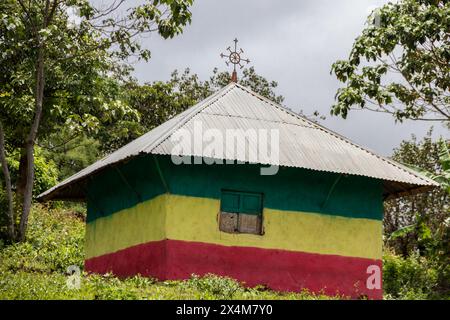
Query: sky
{"type": "Point", "coordinates": [294, 44]}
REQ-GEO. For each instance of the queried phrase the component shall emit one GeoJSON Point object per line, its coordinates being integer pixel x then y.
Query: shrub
{"type": "Point", "coordinates": [55, 240]}
{"type": "Point", "coordinates": [212, 286]}
{"type": "Point", "coordinates": [409, 278]}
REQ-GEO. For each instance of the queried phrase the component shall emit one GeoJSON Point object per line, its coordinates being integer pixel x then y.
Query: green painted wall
{"type": "Point", "coordinates": [290, 189]}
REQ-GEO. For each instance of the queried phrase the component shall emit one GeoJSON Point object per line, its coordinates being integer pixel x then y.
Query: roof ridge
{"type": "Point", "coordinates": [335, 134]}
{"type": "Point", "coordinates": [250, 118]}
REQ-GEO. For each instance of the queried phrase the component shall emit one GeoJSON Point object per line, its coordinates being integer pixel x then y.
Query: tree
{"type": "Point", "coordinates": [59, 64]}
{"type": "Point", "coordinates": [421, 223]}
{"type": "Point", "coordinates": [400, 63]}
{"type": "Point", "coordinates": [426, 210]}
{"type": "Point", "coordinates": [46, 175]}
{"type": "Point", "coordinates": [70, 151]}
{"type": "Point", "coordinates": [159, 101]}
{"type": "Point", "coordinates": [249, 79]}
{"type": "Point", "coordinates": [8, 186]}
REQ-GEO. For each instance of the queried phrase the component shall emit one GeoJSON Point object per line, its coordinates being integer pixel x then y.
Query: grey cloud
{"type": "Point", "coordinates": [292, 42]}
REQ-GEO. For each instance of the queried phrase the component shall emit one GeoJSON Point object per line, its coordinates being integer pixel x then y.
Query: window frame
{"type": "Point", "coordinates": [241, 210]}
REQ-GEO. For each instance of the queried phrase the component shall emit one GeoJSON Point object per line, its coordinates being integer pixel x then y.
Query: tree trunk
{"type": "Point", "coordinates": [30, 142]}
{"type": "Point", "coordinates": [22, 175]}
{"type": "Point", "coordinates": [9, 195]}
{"type": "Point", "coordinates": [20, 183]}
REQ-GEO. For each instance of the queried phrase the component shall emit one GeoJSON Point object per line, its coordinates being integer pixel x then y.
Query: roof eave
{"type": "Point", "coordinates": [395, 190]}
{"type": "Point", "coordinates": [392, 189]}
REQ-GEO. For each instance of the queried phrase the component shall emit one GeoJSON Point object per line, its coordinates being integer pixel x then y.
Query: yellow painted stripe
{"type": "Point", "coordinates": [142, 223]}
{"type": "Point", "coordinates": [196, 219]}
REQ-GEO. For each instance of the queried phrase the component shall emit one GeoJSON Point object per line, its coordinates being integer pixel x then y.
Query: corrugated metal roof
{"type": "Point", "coordinates": [302, 143]}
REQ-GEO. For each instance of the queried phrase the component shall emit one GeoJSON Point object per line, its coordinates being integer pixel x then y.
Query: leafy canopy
{"type": "Point", "coordinates": [62, 65]}
{"type": "Point", "coordinates": [400, 63]}
{"type": "Point", "coordinates": [83, 60]}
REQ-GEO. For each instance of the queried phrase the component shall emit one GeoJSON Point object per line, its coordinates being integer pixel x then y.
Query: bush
{"type": "Point", "coordinates": [412, 278]}
{"type": "Point", "coordinates": [214, 286]}
{"type": "Point", "coordinates": [55, 240]}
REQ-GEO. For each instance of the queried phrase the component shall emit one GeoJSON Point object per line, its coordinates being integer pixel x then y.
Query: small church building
{"type": "Point", "coordinates": [306, 213]}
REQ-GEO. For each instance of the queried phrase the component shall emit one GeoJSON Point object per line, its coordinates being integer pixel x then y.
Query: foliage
{"type": "Point", "coordinates": [81, 60]}
{"type": "Point", "coordinates": [31, 286]}
{"type": "Point", "coordinates": [55, 240]}
{"type": "Point", "coordinates": [70, 152]}
{"type": "Point", "coordinates": [443, 177]}
{"type": "Point", "coordinates": [36, 269]}
{"type": "Point", "coordinates": [249, 79]}
{"type": "Point", "coordinates": [46, 176]}
{"type": "Point", "coordinates": [46, 172]}
{"type": "Point", "coordinates": [411, 278]}
{"type": "Point", "coordinates": [61, 64]}
{"type": "Point", "coordinates": [421, 223]}
{"type": "Point", "coordinates": [430, 208]}
{"type": "Point", "coordinates": [78, 91]}
{"type": "Point", "coordinates": [214, 286]}
{"type": "Point", "coordinates": [400, 64]}
{"type": "Point", "coordinates": [159, 101]}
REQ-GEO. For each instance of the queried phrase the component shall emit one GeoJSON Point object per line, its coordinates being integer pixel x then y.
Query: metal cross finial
{"type": "Point", "coordinates": [234, 57]}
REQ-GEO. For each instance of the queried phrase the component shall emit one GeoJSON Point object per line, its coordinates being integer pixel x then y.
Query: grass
{"type": "Point", "coordinates": [37, 269]}
{"type": "Point", "coordinates": [27, 285]}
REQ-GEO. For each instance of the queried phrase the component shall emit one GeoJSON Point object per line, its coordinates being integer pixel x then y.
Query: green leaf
{"type": "Point", "coordinates": [402, 232]}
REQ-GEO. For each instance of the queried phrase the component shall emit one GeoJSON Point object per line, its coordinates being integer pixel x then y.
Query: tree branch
{"type": "Point", "coordinates": [27, 13]}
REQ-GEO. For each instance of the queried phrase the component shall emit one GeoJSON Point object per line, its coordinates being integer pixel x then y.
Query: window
{"type": "Point", "coordinates": [241, 212]}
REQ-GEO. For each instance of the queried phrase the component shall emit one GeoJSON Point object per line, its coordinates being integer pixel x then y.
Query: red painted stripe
{"type": "Point", "coordinates": [278, 269]}
{"type": "Point", "coordinates": [145, 259]}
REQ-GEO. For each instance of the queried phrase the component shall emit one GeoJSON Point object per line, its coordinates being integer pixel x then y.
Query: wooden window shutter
{"type": "Point", "coordinates": [241, 212]}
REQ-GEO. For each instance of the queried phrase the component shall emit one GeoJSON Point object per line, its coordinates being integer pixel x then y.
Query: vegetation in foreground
{"type": "Point", "coordinates": [24, 285]}
{"type": "Point", "coordinates": [37, 269]}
